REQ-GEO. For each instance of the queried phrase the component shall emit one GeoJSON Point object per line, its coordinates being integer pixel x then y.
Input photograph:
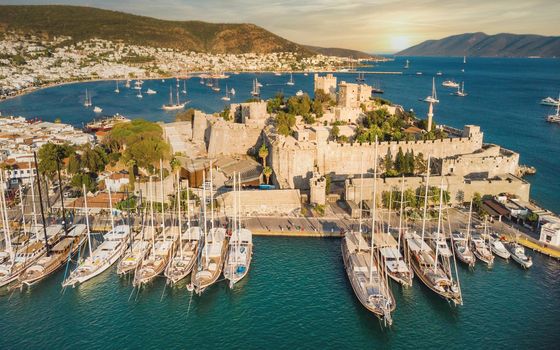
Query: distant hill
{"type": "Point", "coordinates": [83, 23]}
{"type": "Point", "coordinates": [335, 51]}
{"type": "Point", "coordinates": [483, 45]}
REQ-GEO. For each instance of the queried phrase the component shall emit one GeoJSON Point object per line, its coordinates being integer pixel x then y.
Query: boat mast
{"type": "Point", "coordinates": [361, 190]}
{"type": "Point", "coordinates": [179, 213]}
{"type": "Point", "coordinates": [177, 93]}
{"type": "Point", "coordinates": [425, 201]}
{"type": "Point", "coordinates": [204, 215]}
{"type": "Point", "coordinates": [33, 194]}
{"type": "Point", "coordinates": [162, 196]}
{"type": "Point", "coordinates": [22, 207]}
{"type": "Point", "coordinates": [87, 218]}
{"type": "Point", "coordinates": [439, 222]}
{"type": "Point", "coordinates": [469, 223]}
{"type": "Point", "coordinates": [41, 205]}
{"type": "Point", "coordinates": [61, 198]}
{"type": "Point", "coordinates": [211, 202]}
{"type": "Point", "coordinates": [5, 219]}
{"type": "Point", "coordinates": [111, 210]}
{"type": "Point", "coordinates": [153, 233]}
{"type": "Point", "coordinates": [170, 97]}
{"type": "Point", "coordinates": [389, 212]}
{"type": "Point", "coordinates": [188, 206]}
{"type": "Point", "coordinates": [401, 214]}
{"type": "Point", "coordinates": [373, 207]}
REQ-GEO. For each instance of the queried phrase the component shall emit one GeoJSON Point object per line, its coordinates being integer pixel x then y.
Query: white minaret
{"type": "Point", "coordinates": [430, 116]}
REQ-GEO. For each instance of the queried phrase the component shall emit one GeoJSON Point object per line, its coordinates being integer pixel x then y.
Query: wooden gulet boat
{"type": "Point", "coordinates": [425, 262]}
{"type": "Point", "coordinates": [461, 244]}
{"type": "Point", "coordinates": [366, 274]}
{"type": "Point", "coordinates": [182, 263]}
{"type": "Point", "coordinates": [139, 248]}
{"type": "Point", "coordinates": [211, 259]}
{"type": "Point", "coordinates": [240, 247]}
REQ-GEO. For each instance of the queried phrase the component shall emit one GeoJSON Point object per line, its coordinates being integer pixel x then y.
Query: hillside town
{"type": "Point", "coordinates": [28, 62]}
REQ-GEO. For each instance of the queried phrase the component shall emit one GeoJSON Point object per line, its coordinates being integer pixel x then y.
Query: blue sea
{"type": "Point", "coordinates": [296, 294]}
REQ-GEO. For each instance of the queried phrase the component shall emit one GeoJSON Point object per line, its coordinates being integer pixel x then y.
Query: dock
{"type": "Point", "coordinates": [539, 247]}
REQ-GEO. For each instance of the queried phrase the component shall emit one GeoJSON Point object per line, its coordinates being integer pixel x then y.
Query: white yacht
{"type": "Point", "coordinates": [549, 101]}
{"type": "Point", "coordinates": [171, 106]}
{"type": "Point", "coordinates": [151, 92]}
{"type": "Point", "coordinates": [291, 81]}
{"type": "Point", "coordinates": [481, 249]}
{"type": "Point", "coordinates": [499, 249]}
{"type": "Point", "coordinates": [433, 97]}
{"type": "Point", "coordinates": [450, 84]}
{"type": "Point", "coordinates": [555, 118]}
{"type": "Point", "coordinates": [461, 91]}
{"type": "Point", "coordinates": [97, 109]}
{"type": "Point", "coordinates": [518, 254]}
{"type": "Point", "coordinates": [102, 258]}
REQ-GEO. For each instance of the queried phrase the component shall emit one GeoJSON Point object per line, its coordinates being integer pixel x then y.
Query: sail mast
{"type": "Point", "coordinates": [204, 214]}
{"type": "Point", "coordinates": [153, 233]}
{"type": "Point", "coordinates": [426, 200]}
{"type": "Point", "coordinates": [389, 212]}
{"type": "Point", "coordinates": [87, 218]}
{"type": "Point", "coordinates": [439, 222]}
{"type": "Point", "coordinates": [162, 196]}
{"type": "Point", "coordinates": [373, 208]}
{"type": "Point", "coordinates": [361, 190]}
{"type": "Point", "coordinates": [401, 214]}
{"type": "Point", "coordinates": [41, 205]}
{"type": "Point", "coordinates": [5, 219]}
{"type": "Point", "coordinates": [111, 210]}
{"type": "Point", "coordinates": [33, 194]}
{"type": "Point", "coordinates": [179, 213]}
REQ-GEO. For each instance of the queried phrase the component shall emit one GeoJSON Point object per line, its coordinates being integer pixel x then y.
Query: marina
{"type": "Point", "coordinates": [409, 303]}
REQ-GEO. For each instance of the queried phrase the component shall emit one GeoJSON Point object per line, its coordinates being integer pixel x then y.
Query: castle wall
{"type": "Point", "coordinates": [488, 164]}
{"type": "Point", "coordinates": [232, 138]}
{"type": "Point", "coordinates": [456, 185]}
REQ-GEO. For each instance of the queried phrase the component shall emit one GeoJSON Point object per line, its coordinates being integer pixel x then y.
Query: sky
{"type": "Point", "coordinates": [375, 26]}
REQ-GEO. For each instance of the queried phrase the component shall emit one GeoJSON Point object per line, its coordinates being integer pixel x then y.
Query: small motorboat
{"type": "Point", "coordinates": [499, 249]}
{"type": "Point", "coordinates": [518, 254]}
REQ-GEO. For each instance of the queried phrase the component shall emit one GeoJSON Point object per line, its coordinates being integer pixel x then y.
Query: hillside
{"type": "Point", "coordinates": [85, 22]}
{"type": "Point", "coordinates": [483, 45]}
{"type": "Point", "coordinates": [335, 51]}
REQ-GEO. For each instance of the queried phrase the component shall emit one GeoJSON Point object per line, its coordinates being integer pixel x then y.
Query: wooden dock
{"type": "Point", "coordinates": [539, 247]}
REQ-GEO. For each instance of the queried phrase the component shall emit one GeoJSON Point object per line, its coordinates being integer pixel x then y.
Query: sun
{"type": "Point", "coordinates": [400, 42]}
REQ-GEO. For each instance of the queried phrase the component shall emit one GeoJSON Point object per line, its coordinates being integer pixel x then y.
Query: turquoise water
{"type": "Point", "coordinates": [296, 294]}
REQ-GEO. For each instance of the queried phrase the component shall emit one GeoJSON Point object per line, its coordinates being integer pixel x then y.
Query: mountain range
{"type": "Point", "coordinates": [484, 45]}
{"type": "Point", "coordinates": [82, 23]}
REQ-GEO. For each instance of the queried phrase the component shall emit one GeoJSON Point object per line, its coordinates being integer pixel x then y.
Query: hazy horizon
{"type": "Point", "coordinates": [379, 26]}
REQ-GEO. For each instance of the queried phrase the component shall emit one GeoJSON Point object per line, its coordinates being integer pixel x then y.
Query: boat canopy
{"type": "Point", "coordinates": [390, 253]}
{"type": "Point", "coordinates": [192, 234]}
{"type": "Point", "coordinates": [77, 230]}
{"type": "Point", "coordinates": [118, 233]}
{"type": "Point", "coordinates": [245, 236]}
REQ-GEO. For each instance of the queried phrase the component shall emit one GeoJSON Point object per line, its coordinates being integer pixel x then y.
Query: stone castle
{"type": "Point", "coordinates": [299, 161]}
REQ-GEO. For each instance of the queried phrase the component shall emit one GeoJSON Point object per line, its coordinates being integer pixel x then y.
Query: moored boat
{"type": "Point", "coordinates": [518, 255]}
{"type": "Point", "coordinates": [499, 249]}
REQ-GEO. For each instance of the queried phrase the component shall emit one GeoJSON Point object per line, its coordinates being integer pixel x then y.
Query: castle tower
{"type": "Point", "coordinates": [318, 185]}
{"type": "Point", "coordinates": [430, 116]}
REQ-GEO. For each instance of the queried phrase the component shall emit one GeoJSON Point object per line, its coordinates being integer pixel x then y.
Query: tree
{"type": "Point", "coordinates": [477, 202]}
{"type": "Point", "coordinates": [317, 108]}
{"type": "Point", "coordinates": [409, 162]}
{"type": "Point", "coordinates": [50, 155]}
{"type": "Point", "coordinates": [74, 164]}
{"type": "Point", "coordinates": [388, 162]}
{"type": "Point", "coordinates": [225, 114]}
{"type": "Point", "coordinates": [263, 153]}
{"type": "Point", "coordinates": [400, 165]}
{"type": "Point", "coordinates": [267, 172]}
{"type": "Point", "coordinates": [335, 132]}
{"type": "Point", "coordinates": [328, 183]}
{"type": "Point", "coordinates": [420, 164]}
{"type": "Point", "coordinates": [131, 175]}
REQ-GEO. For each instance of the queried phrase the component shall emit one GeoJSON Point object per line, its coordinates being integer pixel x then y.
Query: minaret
{"type": "Point", "coordinates": [430, 116]}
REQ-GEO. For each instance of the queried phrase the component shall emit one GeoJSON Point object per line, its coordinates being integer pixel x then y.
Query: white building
{"type": "Point", "coordinates": [550, 233]}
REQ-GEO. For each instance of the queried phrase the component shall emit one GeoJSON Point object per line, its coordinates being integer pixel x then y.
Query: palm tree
{"type": "Point", "coordinates": [263, 153]}
{"type": "Point", "coordinates": [267, 171]}
{"type": "Point", "coordinates": [131, 178]}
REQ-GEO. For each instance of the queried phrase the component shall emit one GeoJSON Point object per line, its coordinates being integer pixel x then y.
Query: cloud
{"type": "Point", "coordinates": [369, 25]}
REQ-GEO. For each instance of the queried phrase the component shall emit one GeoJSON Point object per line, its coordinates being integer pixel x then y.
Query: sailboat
{"type": "Point", "coordinates": [182, 263]}
{"type": "Point", "coordinates": [138, 249]}
{"type": "Point", "coordinates": [461, 91]}
{"type": "Point", "coordinates": [366, 275]}
{"type": "Point", "coordinates": [117, 88]}
{"type": "Point", "coordinates": [226, 97]}
{"type": "Point", "coordinates": [216, 86]}
{"type": "Point", "coordinates": [360, 78]}
{"type": "Point", "coordinates": [406, 64]}
{"type": "Point", "coordinates": [461, 244]}
{"type": "Point", "coordinates": [19, 255]}
{"type": "Point", "coordinates": [232, 91]}
{"type": "Point", "coordinates": [481, 248]}
{"type": "Point", "coordinates": [87, 101]}
{"type": "Point", "coordinates": [139, 94]}
{"type": "Point", "coordinates": [396, 266]}
{"type": "Point", "coordinates": [105, 255]}
{"type": "Point", "coordinates": [211, 259]}
{"type": "Point", "coordinates": [464, 59]}
{"type": "Point", "coordinates": [256, 89]}
{"type": "Point", "coordinates": [240, 247]}
{"type": "Point", "coordinates": [127, 84]}
{"type": "Point", "coordinates": [162, 247]}
{"type": "Point", "coordinates": [426, 263]}
{"type": "Point", "coordinates": [173, 106]}
{"type": "Point", "coordinates": [291, 81]}
{"type": "Point", "coordinates": [555, 118]}
{"type": "Point", "coordinates": [184, 91]}
{"type": "Point", "coordinates": [433, 97]}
